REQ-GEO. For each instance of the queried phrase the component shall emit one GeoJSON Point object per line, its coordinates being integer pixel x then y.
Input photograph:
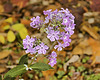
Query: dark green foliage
{"type": "Point", "coordinates": [15, 72]}
{"type": "Point", "coordinates": [23, 59]}
{"type": "Point", "coordinates": [9, 78]}
{"type": "Point", "coordinates": [20, 69]}
{"type": "Point", "coordinates": [40, 66]}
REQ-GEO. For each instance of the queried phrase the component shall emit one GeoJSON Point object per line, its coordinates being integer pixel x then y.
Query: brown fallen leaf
{"type": "Point", "coordinates": [25, 22]}
{"type": "Point", "coordinates": [72, 60]}
{"type": "Point", "coordinates": [63, 53]}
{"type": "Point", "coordinates": [91, 31]}
{"type": "Point", "coordinates": [95, 44]}
{"type": "Point", "coordinates": [1, 8]}
{"type": "Point", "coordinates": [77, 50]}
{"type": "Point", "coordinates": [53, 7]}
{"type": "Point", "coordinates": [4, 61]}
{"type": "Point", "coordinates": [48, 73]}
{"type": "Point", "coordinates": [88, 50]}
{"type": "Point", "coordinates": [20, 3]}
{"type": "Point", "coordinates": [83, 48]}
{"type": "Point", "coordinates": [4, 53]}
{"type": "Point", "coordinates": [2, 69]}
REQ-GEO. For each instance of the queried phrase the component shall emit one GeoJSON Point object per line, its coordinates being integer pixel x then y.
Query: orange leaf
{"type": "Point", "coordinates": [96, 50]}
{"type": "Point", "coordinates": [25, 22]}
{"type": "Point", "coordinates": [48, 73]}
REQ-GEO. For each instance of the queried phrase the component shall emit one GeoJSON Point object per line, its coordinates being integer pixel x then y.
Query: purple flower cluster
{"type": "Point", "coordinates": [52, 59]}
{"type": "Point", "coordinates": [42, 48]}
{"type": "Point", "coordinates": [33, 45]}
{"type": "Point", "coordinates": [61, 27]}
{"type": "Point", "coordinates": [36, 22]}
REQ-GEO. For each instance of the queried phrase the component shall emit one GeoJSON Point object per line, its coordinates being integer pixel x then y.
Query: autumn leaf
{"type": "Point", "coordinates": [6, 27]}
{"type": "Point", "coordinates": [53, 7]}
{"type": "Point", "coordinates": [4, 53]}
{"type": "Point", "coordinates": [2, 69]}
{"type": "Point", "coordinates": [49, 73]}
{"type": "Point", "coordinates": [18, 26]}
{"type": "Point", "coordinates": [23, 33]}
{"type": "Point", "coordinates": [95, 44]}
{"type": "Point", "coordinates": [95, 5]}
{"type": "Point", "coordinates": [9, 20]}
{"type": "Point", "coordinates": [20, 3]}
{"type": "Point", "coordinates": [10, 36]}
{"type": "Point", "coordinates": [21, 29]}
{"type": "Point", "coordinates": [2, 39]}
{"type": "Point", "coordinates": [1, 8]}
{"type": "Point", "coordinates": [91, 31]}
{"type": "Point", "coordinates": [25, 21]}
{"type": "Point", "coordinates": [83, 48]}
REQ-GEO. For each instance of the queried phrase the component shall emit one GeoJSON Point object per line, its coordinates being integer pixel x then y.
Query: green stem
{"type": "Point", "coordinates": [32, 60]}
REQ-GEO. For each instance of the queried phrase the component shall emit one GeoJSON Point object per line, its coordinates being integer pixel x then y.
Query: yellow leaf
{"type": "Point", "coordinates": [6, 27]}
{"type": "Point", "coordinates": [18, 26]}
{"type": "Point", "coordinates": [2, 39]}
{"type": "Point", "coordinates": [9, 20]}
{"type": "Point", "coordinates": [21, 29]}
{"type": "Point", "coordinates": [11, 36]}
{"type": "Point", "coordinates": [23, 33]}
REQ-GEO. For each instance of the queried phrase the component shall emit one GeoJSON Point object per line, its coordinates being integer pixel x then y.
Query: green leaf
{"type": "Point", "coordinates": [23, 59]}
{"type": "Point", "coordinates": [9, 78]}
{"type": "Point", "coordinates": [60, 74]}
{"type": "Point", "coordinates": [40, 66]}
{"type": "Point", "coordinates": [18, 70]}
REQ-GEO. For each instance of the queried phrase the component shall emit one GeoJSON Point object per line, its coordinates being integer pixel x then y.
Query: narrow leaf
{"type": "Point", "coordinates": [23, 59]}
{"type": "Point", "coordinates": [18, 70]}
{"type": "Point", "coordinates": [40, 66]}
